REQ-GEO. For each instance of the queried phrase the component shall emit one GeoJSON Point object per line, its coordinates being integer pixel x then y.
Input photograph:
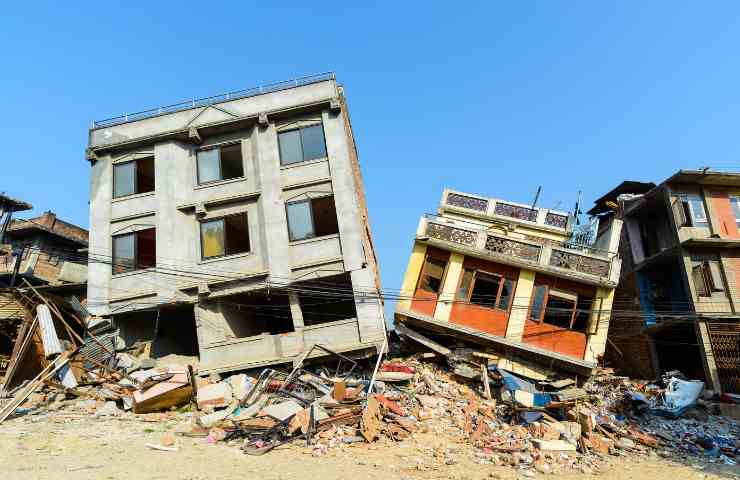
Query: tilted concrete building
{"type": "Point", "coordinates": [514, 279]}
{"type": "Point", "coordinates": [235, 227]}
{"type": "Point", "coordinates": [681, 252]}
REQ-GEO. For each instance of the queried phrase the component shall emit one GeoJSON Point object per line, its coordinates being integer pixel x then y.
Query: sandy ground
{"type": "Point", "coordinates": [74, 446]}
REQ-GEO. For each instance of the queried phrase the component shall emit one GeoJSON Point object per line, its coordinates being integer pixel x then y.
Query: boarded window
{"type": "Point", "coordinates": [432, 274]}
{"type": "Point", "coordinates": [316, 217]}
{"type": "Point", "coordinates": [225, 236]}
{"type": "Point", "coordinates": [134, 251]}
{"type": "Point", "coordinates": [302, 144]}
{"type": "Point", "coordinates": [133, 177]}
{"type": "Point", "coordinates": [220, 163]}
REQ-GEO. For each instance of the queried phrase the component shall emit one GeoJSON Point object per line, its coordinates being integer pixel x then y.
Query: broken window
{"type": "Point", "coordinates": [689, 211]}
{"type": "Point", "coordinates": [562, 309]}
{"type": "Point", "coordinates": [134, 251]}
{"type": "Point", "coordinates": [488, 290]}
{"type": "Point", "coordinates": [432, 274]}
{"type": "Point", "coordinates": [735, 202]}
{"type": "Point", "coordinates": [302, 144]}
{"type": "Point", "coordinates": [707, 277]}
{"type": "Point", "coordinates": [220, 163]}
{"type": "Point", "coordinates": [136, 176]}
{"type": "Point", "coordinates": [315, 217]}
{"type": "Point", "coordinates": [224, 236]}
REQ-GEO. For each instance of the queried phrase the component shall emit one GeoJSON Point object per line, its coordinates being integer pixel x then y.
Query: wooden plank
{"type": "Point", "coordinates": [419, 338]}
{"type": "Point", "coordinates": [484, 379]}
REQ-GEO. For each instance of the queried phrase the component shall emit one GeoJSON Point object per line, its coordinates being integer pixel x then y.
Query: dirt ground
{"type": "Point", "coordinates": [69, 445]}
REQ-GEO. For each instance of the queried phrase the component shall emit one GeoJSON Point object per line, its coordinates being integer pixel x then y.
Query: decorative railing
{"type": "Point", "coordinates": [579, 263]}
{"type": "Point", "coordinates": [556, 220]}
{"type": "Point", "coordinates": [504, 246]}
{"type": "Point", "coordinates": [515, 211]}
{"type": "Point", "coordinates": [451, 234]}
{"type": "Point", "coordinates": [464, 201]}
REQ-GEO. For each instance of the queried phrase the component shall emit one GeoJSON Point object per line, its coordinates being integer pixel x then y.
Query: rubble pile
{"type": "Point", "coordinates": [494, 410]}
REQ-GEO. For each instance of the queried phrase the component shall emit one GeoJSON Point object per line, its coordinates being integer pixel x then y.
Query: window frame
{"type": "Point", "coordinates": [735, 206]}
{"type": "Point", "coordinates": [226, 242]}
{"type": "Point", "coordinates": [300, 129]}
{"type": "Point", "coordinates": [424, 273]}
{"type": "Point", "coordinates": [135, 267]}
{"type": "Point", "coordinates": [218, 148]}
{"type": "Point", "coordinates": [546, 298]}
{"type": "Point", "coordinates": [687, 203]}
{"type": "Point", "coordinates": [135, 161]}
{"type": "Point", "coordinates": [502, 281]}
{"type": "Point", "coordinates": [310, 216]}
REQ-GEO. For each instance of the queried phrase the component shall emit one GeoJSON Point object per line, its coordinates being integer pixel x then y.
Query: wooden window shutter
{"type": "Point", "coordinates": [697, 274]}
{"type": "Point", "coordinates": [679, 212]}
{"type": "Point", "coordinates": [714, 275]}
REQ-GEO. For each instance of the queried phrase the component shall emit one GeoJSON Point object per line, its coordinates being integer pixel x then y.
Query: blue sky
{"type": "Point", "coordinates": [494, 98]}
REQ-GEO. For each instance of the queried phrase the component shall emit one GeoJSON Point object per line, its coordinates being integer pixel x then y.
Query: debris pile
{"type": "Point", "coordinates": [496, 410]}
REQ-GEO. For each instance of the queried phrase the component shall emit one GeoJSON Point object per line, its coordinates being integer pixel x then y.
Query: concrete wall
{"type": "Point", "coordinates": [179, 203]}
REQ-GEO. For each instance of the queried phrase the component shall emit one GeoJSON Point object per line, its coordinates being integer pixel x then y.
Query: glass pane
{"type": "Point", "coordinates": [736, 208]}
{"type": "Point", "coordinates": [507, 291]}
{"type": "Point", "coordinates": [208, 166]}
{"type": "Point", "coordinates": [212, 238]}
{"type": "Point", "coordinates": [300, 225]}
{"type": "Point", "coordinates": [697, 210]}
{"type": "Point", "coordinates": [313, 142]}
{"type": "Point", "coordinates": [123, 179]}
{"type": "Point", "coordinates": [462, 291]}
{"type": "Point", "coordinates": [538, 300]}
{"type": "Point", "coordinates": [123, 253]}
{"type": "Point", "coordinates": [290, 147]}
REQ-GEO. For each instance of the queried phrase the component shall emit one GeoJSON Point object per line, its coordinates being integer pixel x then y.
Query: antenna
{"type": "Point", "coordinates": [537, 196]}
{"type": "Point", "coordinates": [576, 211]}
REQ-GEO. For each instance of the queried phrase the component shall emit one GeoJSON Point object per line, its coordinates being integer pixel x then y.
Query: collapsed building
{"type": "Point", "coordinates": [681, 253]}
{"type": "Point", "coordinates": [235, 228]}
{"type": "Point", "coordinates": [523, 281]}
{"type": "Point", "coordinates": [43, 251]}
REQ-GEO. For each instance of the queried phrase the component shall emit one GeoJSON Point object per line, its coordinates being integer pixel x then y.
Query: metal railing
{"type": "Point", "coordinates": [224, 97]}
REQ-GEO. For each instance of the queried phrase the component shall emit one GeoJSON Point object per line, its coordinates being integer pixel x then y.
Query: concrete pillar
{"type": "Point", "coordinates": [449, 287]}
{"type": "Point", "coordinates": [297, 315]}
{"type": "Point", "coordinates": [519, 309]}
{"type": "Point", "coordinates": [599, 324]}
{"type": "Point", "coordinates": [413, 269]}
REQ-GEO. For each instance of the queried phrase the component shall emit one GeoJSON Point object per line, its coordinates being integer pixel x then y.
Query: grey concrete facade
{"type": "Point", "coordinates": [273, 265]}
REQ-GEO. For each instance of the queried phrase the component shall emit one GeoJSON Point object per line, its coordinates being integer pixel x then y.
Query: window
{"type": "Point", "coordinates": [560, 309]}
{"type": "Point", "coordinates": [302, 144]}
{"type": "Point", "coordinates": [735, 201]}
{"type": "Point", "coordinates": [707, 277]}
{"type": "Point", "coordinates": [688, 209]}
{"type": "Point", "coordinates": [491, 291]}
{"type": "Point", "coordinates": [315, 217]}
{"type": "Point", "coordinates": [432, 274]}
{"type": "Point", "coordinates": [220, 163]}
{"type": "Point", "coordinates": [224, 236]}
{"type": "Point", "coordinates": [133, 177]}
{"type": "Point", "coordinates": [134, 251]}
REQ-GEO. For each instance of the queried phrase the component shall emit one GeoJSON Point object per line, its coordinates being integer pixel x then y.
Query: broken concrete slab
{"type": "Point", "coordinates": [282, 411]}
{"type": "Point", "coordinates": [214, 395]}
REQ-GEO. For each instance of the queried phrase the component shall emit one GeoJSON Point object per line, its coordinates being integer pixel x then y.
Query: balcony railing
{"type": "Point", "coordinates": [224, 97]}
{"type": "Point", "coordinates": [493, 208]}
{"type": "Point", "coordinates": [545, 253]}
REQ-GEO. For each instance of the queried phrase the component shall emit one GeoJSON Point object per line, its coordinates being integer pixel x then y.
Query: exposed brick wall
{"type": "Point", "coordinates": [720, 204]}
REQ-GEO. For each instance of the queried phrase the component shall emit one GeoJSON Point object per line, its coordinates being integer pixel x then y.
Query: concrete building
{"type": "Point", "coordinates": [513, 278]}
{"type": "Point", "coordinates": [681, 251]}
{"type": "Point", "coordinates": [235, 227]}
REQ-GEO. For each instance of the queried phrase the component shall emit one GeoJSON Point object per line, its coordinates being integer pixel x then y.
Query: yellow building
{"type": "Point", "coordinates": [514, 279]}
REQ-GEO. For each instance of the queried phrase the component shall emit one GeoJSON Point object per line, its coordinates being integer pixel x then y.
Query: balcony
{"type": "Point", "coordinates": [579, 262]}
{"type": "Point", "coordinates": [499, 210]}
